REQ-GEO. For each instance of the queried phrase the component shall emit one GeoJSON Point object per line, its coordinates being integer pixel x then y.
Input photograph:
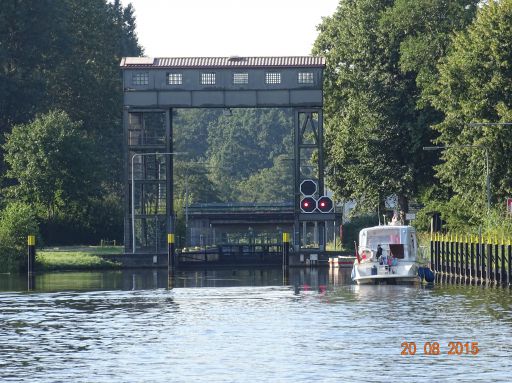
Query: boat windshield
{"type": "Point", "coordinates": [381, 237]}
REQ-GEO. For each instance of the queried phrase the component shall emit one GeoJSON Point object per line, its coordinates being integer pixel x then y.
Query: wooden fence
{"type": "Point", "coordinates": [472, 259]}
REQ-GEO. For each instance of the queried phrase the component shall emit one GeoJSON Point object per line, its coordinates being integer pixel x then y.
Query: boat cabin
{"type": "Point", "coordinates": [397, 242]}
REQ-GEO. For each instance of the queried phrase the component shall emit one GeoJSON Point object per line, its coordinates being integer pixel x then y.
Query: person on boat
{"type": "Point", "coordinates": [379, 251]}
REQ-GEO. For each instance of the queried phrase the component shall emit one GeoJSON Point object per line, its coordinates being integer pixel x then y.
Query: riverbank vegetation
{"type": "Point", "coordinates": [77, 258]}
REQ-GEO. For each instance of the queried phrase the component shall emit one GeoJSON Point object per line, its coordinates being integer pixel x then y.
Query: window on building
{"type": "Point", "coordinates": [240, 78]}
{"type": "Point", "coordinates": [174, 78]}
{"type": "Point", "coordinates": [141, 78]}
{"type": "Point", "coordinates": [306, 78]}
{"type": "Point", "coordinates": [207, 78]}
{"type": "Point", "coordinates": [273, 78]}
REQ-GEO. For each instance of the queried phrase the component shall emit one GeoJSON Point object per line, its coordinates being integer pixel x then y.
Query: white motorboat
{"type": "Point", "coordinates": [386, 254]}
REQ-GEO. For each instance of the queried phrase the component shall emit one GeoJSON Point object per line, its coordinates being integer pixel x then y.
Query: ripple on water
{"type": "Point", "coordinates": [254, 333]}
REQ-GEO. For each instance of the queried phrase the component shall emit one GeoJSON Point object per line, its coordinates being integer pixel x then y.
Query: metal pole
{"type": "Point", "coordinates": [487, 180]}
{"type": "Point", "coordinates": [186, 212]}
{"type": "Point", "coordinates": [286, 250]}
{"type": "Point", "coordinates": [31, 252]}
{"type": "Point", "coordinates": [171, 264]}
{"type": "Point", "coordinates": [133, 205]}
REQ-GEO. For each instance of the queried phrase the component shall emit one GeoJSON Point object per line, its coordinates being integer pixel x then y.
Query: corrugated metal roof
{"type": "Point", "coordinates": [222, 62]}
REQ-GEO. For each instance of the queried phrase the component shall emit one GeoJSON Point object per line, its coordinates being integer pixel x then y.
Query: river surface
{"type": "Point", "coordinates": [249, 326]}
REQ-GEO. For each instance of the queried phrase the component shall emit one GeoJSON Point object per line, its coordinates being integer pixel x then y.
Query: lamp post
{"type": "Point", "coordinates": [133, 187]}
{"type": "Point", "coordinates": [487, 175]}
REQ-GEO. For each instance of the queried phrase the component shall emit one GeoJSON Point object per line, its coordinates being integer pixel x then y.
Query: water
{"type": "Point", "coordinates": [246, 326]}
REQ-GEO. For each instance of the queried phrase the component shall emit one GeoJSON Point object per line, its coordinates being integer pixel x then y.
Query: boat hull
{"type": "Point", "coordinates": [392, 280]}
{"type": "Point", "coordinates": [373, 273]}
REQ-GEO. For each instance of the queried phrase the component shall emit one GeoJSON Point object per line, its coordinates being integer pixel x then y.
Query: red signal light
{"type": "Point", "coordinates": [308, 205]}
{"type": "Point", "coordinates": [325, 204]}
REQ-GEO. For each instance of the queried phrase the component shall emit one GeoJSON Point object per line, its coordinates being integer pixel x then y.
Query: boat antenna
{"type": "Point", "coordinates": [378, 212]}
{"type": "Point", "coordinates": [384, 217]}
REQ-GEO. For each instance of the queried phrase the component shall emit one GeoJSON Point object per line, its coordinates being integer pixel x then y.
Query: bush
{"type": "Point", "coordinates": [17, 221]}
{"type": "Point", "coordinates": [460, 218]}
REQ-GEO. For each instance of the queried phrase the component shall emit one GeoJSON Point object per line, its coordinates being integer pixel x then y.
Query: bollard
{"type": "Point", "coordinates": [286, 250]}
{"type": "Point", "coordinates": [171, 261]}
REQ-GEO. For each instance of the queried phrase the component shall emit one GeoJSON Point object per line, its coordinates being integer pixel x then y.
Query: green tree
{"type": "Point", "coordinates": [190, 131]}
{"type": "Point", "coordinates": [64, 55]}
{"type": "Point", "coordinates": [51, 162]}
{"type": "Point", "coordinates": [474, 85]}
{"type": "Point", "coordinates": [245, 142]}
{"type": "Point", "coordinates": [274, 184]}
{"type": "Point", "coordinates": [379, 54]}
{"type": "Point", "coordinates": [29, 39]}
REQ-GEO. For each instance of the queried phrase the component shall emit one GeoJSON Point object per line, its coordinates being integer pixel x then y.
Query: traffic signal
{"type": "Point", "coordinates": [325, 204]}
{"type": "Point", "coordinates": [308, 205]}
{"type": "Point", "coordinates": [308, 187]}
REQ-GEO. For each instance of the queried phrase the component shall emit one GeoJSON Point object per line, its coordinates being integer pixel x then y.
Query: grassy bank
{"type": "Point", "coordinates": [77, 258]}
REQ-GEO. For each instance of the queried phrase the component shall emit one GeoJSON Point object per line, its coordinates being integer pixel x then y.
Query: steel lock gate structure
{"type": "Point", "coordinates": [153, 87]}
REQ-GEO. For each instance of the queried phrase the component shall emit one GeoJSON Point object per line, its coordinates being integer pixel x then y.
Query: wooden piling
{"type": "Point", "coordinates": [438, 255]}
{"type": "Point", "coordinates": [488, 275]}
{"type": "Point", "coordinates": [502, 262]}
{"type": "Point", "coordinates": [450, 258]}
{"type": "Point", "coordinates": [443, 255]}
{"type": "Point", "coordinates": [466, 259]}
{"type": "Point", "coordinates": [509, 261]}
{"type": "Point", "coordinates": [458, 256]}
{"type": "Point", "coordinates": [432, 252]}
{"type": "Point", "coordinates": [472, 259]}
{"type": "Point", "coordinates": [472, 269]}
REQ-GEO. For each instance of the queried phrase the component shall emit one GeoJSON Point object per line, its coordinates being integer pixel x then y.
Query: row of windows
{"type": "Point", "coordinates": [210, 78]}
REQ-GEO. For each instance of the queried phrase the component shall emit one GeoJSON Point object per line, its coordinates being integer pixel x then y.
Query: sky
{"type": "Point", "coordinates": [221, 28]}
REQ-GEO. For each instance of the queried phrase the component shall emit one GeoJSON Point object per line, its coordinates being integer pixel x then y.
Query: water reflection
{"type": "Point", "coordinates": [246, 325]}
{"type": "Point", "coordinates": [143, 279]}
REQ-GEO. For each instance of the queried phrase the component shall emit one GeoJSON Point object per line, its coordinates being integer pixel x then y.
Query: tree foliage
{"type": "Point", "coordinates": [474, 86]}
{"type": "Point", "coordinates": [64, 55]}
{"type": "Point", "coordinates": [17, 221]}
{"type": "Point", "coordinates": [273, 184]}
{"type": "Point", "coordinates": [380, 56]}
{"type": "Point", "coordinates": [52, 162]}
{"type": "Point", "coordinates": [242, 154]}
